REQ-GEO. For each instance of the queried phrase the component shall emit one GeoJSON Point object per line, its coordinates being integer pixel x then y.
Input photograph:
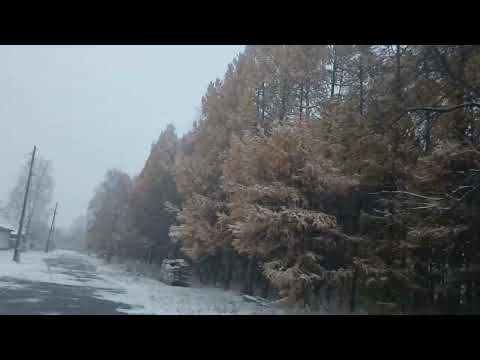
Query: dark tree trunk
{"type": "Point", "coordinates": [263, 103]}
{"type": "Point", "coordinates": [147, 255]}
{"type": "Point", "coordinates": [353, 291]}
{"type": "Point", "coordinates": [474, 297]}
{"type": "Point", "coordinates": [398, 87]}
{"type": "Point", "coordinates": [428, 132]}
{"type": "Point", "coordinates": [307, 100]}
{"type": "Point", "coordinates": [228, 268]}
{"type": "Point", "coordinates": [249, 283]}
{"type": "Point", "coordinates": [266, 289]}
{"type": "Point", "coordinates": [301, 101]}
{"type": "Point", "coordinates": [468, 295]}
{"type": "Point", "coordinates": [150, 256]}
{"type": "Point", "coordinates": [174, 251]}
{"type": "Point", "coordinates": [340, 85]}
{"type": "Point", "coordinates": [334, 73]}
{"type": "Point", "coordinates": [360, 78]}
{"type": "Point", "coordinates": [283, 110]}
{"type": "Point", "coordinates": [328, 295]}
{"type": "Point", "coordinates": [244, 270]}
{"type": "Point", "coordinates": [458, 296]}
{"type": "Point", "coordinates": [201, 275]}
{"type": "Point", "coordinates": [430, 277]}
{"type": "Point", "coordinates": [257, 101]}
{"type": "Point", "coordinates": [215, 268]}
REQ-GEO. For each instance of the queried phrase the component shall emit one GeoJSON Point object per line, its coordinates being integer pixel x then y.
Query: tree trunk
{"type": "Point", "coordinates": [174, 249]}
{"type": "Point", "coordinates": [201, 275]}
{"type": "Point", "coordinates": [328, 295]}
{"type": "Point", "coordinates": [469, 284]}
{"type": "Point", "coordinates": [147, 255]}
{"type": "Point", "coordinates": [301, 101]}
{"type": "Point", "coordinates": [228, 268]}
{"type": "Point", "coordinates": [215, 268]}
{"type": "Point", "coordinates": [307, 101]}
{"type": "Point", "coordinates": [150, 255]}
{"type": "Point", "coordinates": [398, 79]}
{"type": "Point", "coordinates": [266, 289]}
{"type": "Point", "coordinates": [340, 85]}
{"type": "Point", "coordinates": [428, 132]}
{"type": "Point", "coordinates": [469, 297]}
{"type": "Point", "coordinates": [353, 290]}
{"type": "Point", "coordinates": [430, 277]}
{"type": "Point", "coordinates": [257, 102]}
{"type": "Point", "coordinates": [360, 78]}
{"type": "Point", "coordinates": [248, 289]}
{"type": "Point", "coordinates": [283, 110]}
{"type": "Point", "coordinates": [460, 118]}
{"type": "Point", "coordinates": [334, 71]}
{"type": "Point", "coordinates": [263, 104]}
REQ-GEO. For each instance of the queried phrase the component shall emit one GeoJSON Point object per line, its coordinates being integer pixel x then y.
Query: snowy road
{"type": "Point", "coordinates": [66, 282]}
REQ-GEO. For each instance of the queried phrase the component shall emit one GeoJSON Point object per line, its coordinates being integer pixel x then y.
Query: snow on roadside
{"type": "Point", "coordinates": [114, 283]}
{"type": "Point", "coordinates": [149, 296]}
{"type": "Point", "coordinates": [32, 267]}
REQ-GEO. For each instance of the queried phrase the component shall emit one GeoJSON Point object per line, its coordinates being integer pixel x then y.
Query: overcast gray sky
{"type": "Point", "coordinates": [91, 108]}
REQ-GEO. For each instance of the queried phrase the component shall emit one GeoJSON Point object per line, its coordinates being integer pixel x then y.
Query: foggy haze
{"type": "Point", "coordinates": [91, 108]}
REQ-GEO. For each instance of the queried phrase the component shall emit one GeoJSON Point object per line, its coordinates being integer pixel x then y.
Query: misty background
{"type": "Point", "coordinates": [91, 108]}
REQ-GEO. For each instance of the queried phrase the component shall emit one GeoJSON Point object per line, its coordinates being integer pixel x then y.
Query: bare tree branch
{"type": "Point", "coordinates": [440, 110]}
{"type": "Point", "coordinates": [407, 193]}
{"type": "Point", "coordinates": [443, 109]}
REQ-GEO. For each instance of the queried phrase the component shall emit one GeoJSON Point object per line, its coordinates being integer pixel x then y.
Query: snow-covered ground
{"type": "Point", "coordinates": [32, 267]}
{"type": "Point", "coordinates": [114, 283]}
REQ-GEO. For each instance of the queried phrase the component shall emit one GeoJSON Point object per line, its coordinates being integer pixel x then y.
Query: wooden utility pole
{"type": "Point", "coordinates": [34, 205]}
{"type": "Point", "coordinates": [16, 253]}
{"type": "Point", "coordinates": [51, 228]}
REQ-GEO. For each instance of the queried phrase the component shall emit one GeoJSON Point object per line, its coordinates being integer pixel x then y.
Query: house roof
{"type": "Point", "coordinates": [5, 224]}
{"type": "Point", "coordinates": [6, 227]}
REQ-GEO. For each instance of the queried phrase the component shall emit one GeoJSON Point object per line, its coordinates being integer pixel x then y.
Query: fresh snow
{"type": "Point", "coordinates": [113, 282]}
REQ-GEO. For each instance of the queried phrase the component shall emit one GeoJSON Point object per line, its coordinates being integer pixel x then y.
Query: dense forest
{"type": "Point", "coordinates": [323, 175]}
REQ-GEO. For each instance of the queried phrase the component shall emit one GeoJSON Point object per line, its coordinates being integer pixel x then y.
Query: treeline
{"type": "Point", "coordinates": [341, 175]}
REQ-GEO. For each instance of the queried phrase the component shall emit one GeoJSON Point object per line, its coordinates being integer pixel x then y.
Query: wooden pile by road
{"type": "Point", "coordinates": [176, 272]}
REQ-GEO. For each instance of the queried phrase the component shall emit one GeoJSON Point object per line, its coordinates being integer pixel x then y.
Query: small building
{"type": "Point", "coordinates": [13, 240]}
{"type": "Point", "coordinates": [8, 233]}
{"type": "Point", "coordinates": [5, 236]}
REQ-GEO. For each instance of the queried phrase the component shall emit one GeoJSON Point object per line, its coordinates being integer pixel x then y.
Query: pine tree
{"type": "Point", "coordinates": [154, 187]}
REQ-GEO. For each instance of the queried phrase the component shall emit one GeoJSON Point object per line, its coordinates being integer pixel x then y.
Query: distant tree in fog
{"type": "Point", "coordinates": [107, 214]}
{"type": "Point", "coordinates": [38, 210]}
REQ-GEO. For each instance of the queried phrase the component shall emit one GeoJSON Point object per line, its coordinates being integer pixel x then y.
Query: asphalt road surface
{"type": "Point", "coordinates": [44, 298]}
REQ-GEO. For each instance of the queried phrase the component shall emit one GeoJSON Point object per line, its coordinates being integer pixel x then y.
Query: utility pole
{"type": "Point", "coordinates": [16, 254]}
{"type": "Point", "coordinates": [51, 228]}
{"type": "Point", "coordinates": [34, 205]}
